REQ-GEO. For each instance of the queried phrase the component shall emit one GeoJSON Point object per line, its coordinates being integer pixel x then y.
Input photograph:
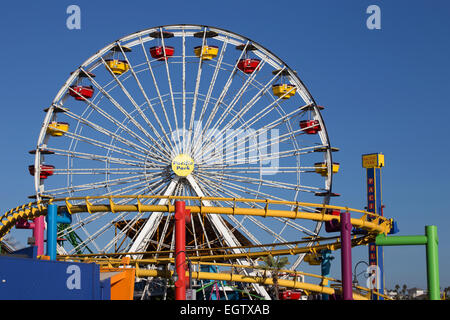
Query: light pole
{"type": "Point", "coordinates": [355, 276]}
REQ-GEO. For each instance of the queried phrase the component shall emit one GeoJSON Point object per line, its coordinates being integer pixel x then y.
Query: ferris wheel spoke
{"type": "Point", "coordinates": [120, 108]}
{"type": "Point", "coordinates": [237, 187]}
{"type": "Point", "coordinates": [254, 150]}
{"type": "Point", "coordinates": [141, 113]}
{"type": "Point", "coordinates": [263, 130]}
{"type": "Point", "coordinates": [237, 97]}
{"type": "Point", "coordinates": [112, 135]}
{"type": "Point", "coordinates": [162, 237]}
{"type": "Point", "coordinates": [237, 222]}
{"type": "Point", "coordinates": [161, 100]}
{"type": "Point", "coordinates": [97, 157]}
{"type": "Point", "coordinates": [125, 91]}
{"type": "Point", "coordinates": [94, 185]}
{"type": "Point", "coordinates": [166, 63]}
{"type": "Point", "coordinates": [106, 146]}
{"type": "Point", "coordinates": [270, 183]}
{"type": "Point", "coordinates": [81, 224]}
{"type": "Point", "coordinates": [288, 221]}
{"type": "Point", "coordinates": [222, 94]}
{"type": "Point", "coordinates": [296, 226]}
{"type": "Point", "coordinates": [214, 130]}
{"type": "Point", "coordinates": [151, 184]}
{"type": "Point", "coordinates": [96, 108]}
{"type": "Point", "coordinates": [147, 231]}
{"type": "Point", "coordinates": [220, 184]}
{"type": "Point", "coordinates": [283, 220]}
{"type": "Point", "coordinates": [183, 86]}
{"type": "Point", "coordinates": [255, 158]}
{"type": "Point", "coordinates": [98, 233]}
{"type": "Point", "coordinates": [239, 115]}
{"type": "Point", "coordinates": [96, 216]}
{"type": "Point", "coordinates": [210, 89]}
{"type": "Point", "coordinates": [123, 233]}
{"type": "Point", "coordinates": [226, 192]}
{"type": "Point", "coordinates": [273, 184]}
{"type": "Point", "coordinates": [102, 130]}
{"type": "Point", "coordinates": [91, 171]}
{"type": "Point", "coordinates": [196, 90]}
{"type": "Point", "coordinates": [223, 231]}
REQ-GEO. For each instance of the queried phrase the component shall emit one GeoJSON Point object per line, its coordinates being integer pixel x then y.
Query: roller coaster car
{"type": "Point", "coordinates": [45, 172]}
{"type": "Point", "coordinates": [248, 65]}
{"type": "Point", "coordinates": [310, 126]}
{"type": "Point", "coordinates": [57, 129]}
{"type": "Point", "coordinates": [206, 52]}
{"type": "Point", "coordinates": [313, 259]}
{"type": "Point", "coordinates": [394, 227]}
{"type": "Point", "coordinates": [118, 67]}
{"type": "Point", "coordinates": [359, 231]}
{"type": "Point", "coordinates": [81, 92]}
{"type": "Point", "coordinates": [333, 225]}
{"type": "Point", "coordinates": [161, 53]}
{"type": "Point", "coordinates": [284, 90]}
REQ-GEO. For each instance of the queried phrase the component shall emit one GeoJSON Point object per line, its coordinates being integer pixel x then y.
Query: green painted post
{"type": "Point", "coordinates": [383, 240]}
{"type": "Point", "coordinates": [434, 292]}
{"type": "Point", "coordinates": [431, 241]}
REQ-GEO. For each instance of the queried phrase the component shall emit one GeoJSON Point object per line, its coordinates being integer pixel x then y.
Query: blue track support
{"type": "Point", "coordinates": [325, 267]}
{"type": "Point", "coordinates": [52, 212]}
{"type": "Point", "coordinates": [52, 228]}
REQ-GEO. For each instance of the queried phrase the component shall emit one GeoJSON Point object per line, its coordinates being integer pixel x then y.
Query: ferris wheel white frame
{"type": "Point", "coordinates": [161, 144]}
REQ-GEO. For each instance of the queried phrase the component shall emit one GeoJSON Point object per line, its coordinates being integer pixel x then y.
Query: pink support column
{"type": "Point", "coordinates": [38, 227]}
{"type": "Point", "coordinates": [180, 250]}
{"type": "Point", "coordinates": [38, 234]}
{"type": "Point", "coordinates": [346, 256]}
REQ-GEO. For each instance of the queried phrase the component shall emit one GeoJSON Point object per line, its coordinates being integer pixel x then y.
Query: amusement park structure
{"type": "Point", "coordinates": [176, 159]}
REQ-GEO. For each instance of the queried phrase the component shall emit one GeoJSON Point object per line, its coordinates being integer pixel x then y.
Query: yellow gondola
{"type": "Point", "coordinates": [288, 90]}
{"type": "Point", "coordinates": [118, 67]}
{"type": "Point", "coordinates": [322, 168]}
{"type": "Point", "coordinates": [207, 53]}
{"type": "Point", "coordinates": [57, 129]}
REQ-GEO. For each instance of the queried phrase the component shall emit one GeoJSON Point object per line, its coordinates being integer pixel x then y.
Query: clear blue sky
{"type": "Point", "coordinates": [384, 91]}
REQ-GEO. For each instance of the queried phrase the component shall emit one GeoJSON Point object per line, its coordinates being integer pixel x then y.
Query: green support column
{"type": "Point", "coordinates": [430, 240]}
{"type": "Point", "coordinates": [434, 292]}
{"type": "Point", "coordinates": [383, 240]}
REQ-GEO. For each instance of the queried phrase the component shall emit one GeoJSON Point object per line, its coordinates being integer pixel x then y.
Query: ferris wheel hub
{"type": "Point", "coordinates": [182, 165]}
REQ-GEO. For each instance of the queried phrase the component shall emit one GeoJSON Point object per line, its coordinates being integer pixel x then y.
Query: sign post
{"type": "Point", "coordinates": [373, 164]}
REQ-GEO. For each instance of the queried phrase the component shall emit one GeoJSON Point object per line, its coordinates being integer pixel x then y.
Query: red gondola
{"type": "Point", "coordinates": [46, 170]}
{"type": "Point", "coordinates": [81, 92]}
{"type": "Point", "coordinates": [248, 65]}
{"type": "Point", "coordinates": [310, 126]}
{"type": "Point", "coordinates": [158, 52]}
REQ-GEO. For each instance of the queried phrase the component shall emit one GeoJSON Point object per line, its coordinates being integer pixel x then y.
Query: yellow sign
{"type": "Point", "coordinates": [374, 160]}
{"type": "Point", "coordinates": [182, 165]}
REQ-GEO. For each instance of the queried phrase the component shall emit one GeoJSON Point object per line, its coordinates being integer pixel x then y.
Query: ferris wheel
{"type": "Point", "coordinates": [183, 110]}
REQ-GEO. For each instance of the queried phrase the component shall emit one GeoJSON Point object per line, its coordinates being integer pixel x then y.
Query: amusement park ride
{"type": "Point", "coordinates": [180, 157]}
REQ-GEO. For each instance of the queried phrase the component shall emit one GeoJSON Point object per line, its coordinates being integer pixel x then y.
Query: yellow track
{"type": "Point", "coordinates": [284, 209]}
{"type": "Point", "coordinates": [378, 224]}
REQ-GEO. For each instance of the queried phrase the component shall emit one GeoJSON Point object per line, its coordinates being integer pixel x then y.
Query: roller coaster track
{"type": "Point", "coordinates": [370, 222]}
